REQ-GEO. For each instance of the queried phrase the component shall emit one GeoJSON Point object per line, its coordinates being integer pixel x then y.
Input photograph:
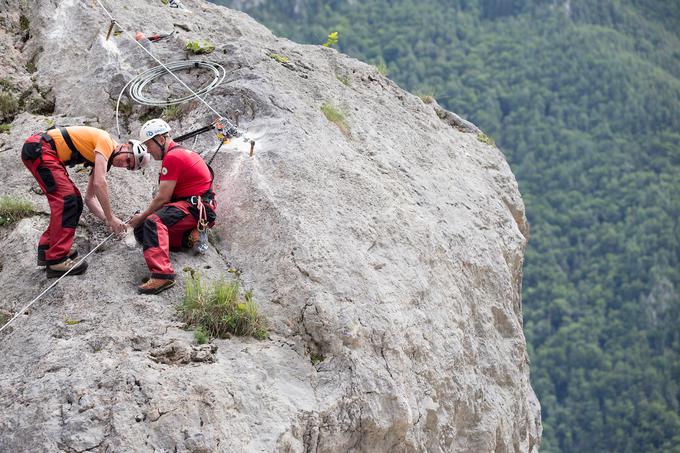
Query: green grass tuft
{"type": "Point", "coordinates": [426, 98]}
{"type": "Point", "coordinates": [382, 68]}
{"type": "Point", "coordinates": [12, 210]}
{"type": "Point", "coordinates": [5, 128]}
{"type": "Point", "coordinates": [220, 310]}
{"type": "Point", "coordinates": [24, 23]}
{"type": "Point", "coordinates": [8, 105]}
{"type": "Point", "coordinates": [201, 335]}
{"type": "Point", "coordinates": [336, 117]}
{"type": "Point", "coordinates": [172, 112]}
{"type": "Point", "coordinates": [200, 47]}
{"type": "Point", "coordinates": [486, 139]}
{"type": "Point", "coordinates": [279, 58]}
{"type": "Point", "coordinates": [316, 358]}
{"type": "Point", "coordinates": [344, 79]}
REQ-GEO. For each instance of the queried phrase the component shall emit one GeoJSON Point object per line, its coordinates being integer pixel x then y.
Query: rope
{"type": "Point", "coordinates": [129, 35]}
{"type": "Point", "coordinates": [59, 279]}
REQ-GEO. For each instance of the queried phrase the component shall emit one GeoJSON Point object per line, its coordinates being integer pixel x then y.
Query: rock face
{"type": "Point", "coordinates": [385, 250]}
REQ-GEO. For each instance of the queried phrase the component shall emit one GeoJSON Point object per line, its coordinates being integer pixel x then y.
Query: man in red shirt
{"type": "Point", "coordinates": [45, 155]}
{"type": "Point", "coordinates": [185, 188]}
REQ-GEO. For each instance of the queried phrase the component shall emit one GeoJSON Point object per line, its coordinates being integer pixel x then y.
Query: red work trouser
{"type": "Point", "coordinates": [162, 231]}
{"type": "Point", "coordinates": [63, 196]}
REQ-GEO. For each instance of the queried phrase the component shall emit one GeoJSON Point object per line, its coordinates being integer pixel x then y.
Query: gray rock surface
{"type": "Point", "coordinates": [386, 253]}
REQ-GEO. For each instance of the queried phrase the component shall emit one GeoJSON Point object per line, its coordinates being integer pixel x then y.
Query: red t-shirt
{"type": "Point", "coordinates": [188, 169]}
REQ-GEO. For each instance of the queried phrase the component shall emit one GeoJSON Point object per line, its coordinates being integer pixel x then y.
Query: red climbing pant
{"type": "Point", "coordinates": [40, 157]}
{"type": "Point", "coordinates": [161, 231]}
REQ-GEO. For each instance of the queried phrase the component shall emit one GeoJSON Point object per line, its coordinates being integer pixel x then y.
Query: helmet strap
{"type": "Point", "coordinates": [162, 147]}
{"type": "Point", "coordinates": [110, 162]}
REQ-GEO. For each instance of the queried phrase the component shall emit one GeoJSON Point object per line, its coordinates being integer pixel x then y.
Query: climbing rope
{"type": "Point", "coordinates": [59, 279]}
{"type": "Point", "coordinates": [194, 94]}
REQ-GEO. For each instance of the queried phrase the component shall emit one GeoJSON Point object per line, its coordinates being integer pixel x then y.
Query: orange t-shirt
{"type": "Point", "coordinates": [86, 139]}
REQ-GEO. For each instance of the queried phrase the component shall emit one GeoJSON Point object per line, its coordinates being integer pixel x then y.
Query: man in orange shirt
{"type": "Point", "coordinates": [46, 156]}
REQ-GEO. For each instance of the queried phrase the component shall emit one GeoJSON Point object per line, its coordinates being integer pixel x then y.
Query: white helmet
{"type": "Point", "coordinates": [152, 128]}
{"type": "Point", "coordinates": [140, 154]}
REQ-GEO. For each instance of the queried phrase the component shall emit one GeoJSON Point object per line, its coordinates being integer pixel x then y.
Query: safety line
{"type": "Point", "coordinates": [129, 35]}
{"type": "Point", "coordinates": [59, 279]}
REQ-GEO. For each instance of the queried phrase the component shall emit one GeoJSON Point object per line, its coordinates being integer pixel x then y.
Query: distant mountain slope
{"type": "Point", "coordinates": [584, 97]}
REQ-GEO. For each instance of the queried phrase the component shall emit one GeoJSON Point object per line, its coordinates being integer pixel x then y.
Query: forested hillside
{"type": "Point", "coordinates": [584, 99]}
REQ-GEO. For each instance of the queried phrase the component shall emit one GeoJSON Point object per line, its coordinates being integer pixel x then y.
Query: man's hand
{"type": "Point", "coordinates": [136, 220]}
{"type": "Point", "coordinates": [116, 225]}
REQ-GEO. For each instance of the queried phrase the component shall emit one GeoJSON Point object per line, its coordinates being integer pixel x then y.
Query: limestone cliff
{"type": "Point", "coordinates": [386, 253]}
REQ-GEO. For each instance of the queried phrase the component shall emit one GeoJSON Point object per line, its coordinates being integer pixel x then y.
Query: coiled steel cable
{"type": "Point", "coordinates": [139, 83]}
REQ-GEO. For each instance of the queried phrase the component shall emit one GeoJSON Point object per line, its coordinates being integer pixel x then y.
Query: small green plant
{"type": "Point", "coordinates": [3, 319]}
{"type": "Point", "coordinates": [382, 68]}
{"type": "Point", "coordinates": [172, 112]}
{"type": "Point", "coordinates": [24, 23]}
{"type": "Point", "coordinates": [30, 67]}
{"type": "Point", "coordinates": [220, 309]}
{"type": "Point", "coordinates": [344, 79]}
{"type": "Point", "coordinates": [5, 128]}
{"type": "Point", "coordinates": [125, 108]}
{"type": "Point", "coordinates": [336, 117]}
{"type": "Point", "coordinates": [426, 98]}
{"type": "Point", "coordinates": [201, 335]}
{"type": "Point", "coordinates": [72, 322]}
{"type": "Point", "coordinates": [316, 358]}
{"type": "Point", "coordinates": [482, 137]}
{"type": "Point", "coordinates": [332, 39]}
{"type": "Point", "coordinates": [200, 47]}
{"type": "Point", "coordinates": [8, 105]}
{"type": "Point", "coordinates": [153, 112]}
{"type": "Point", "coordinates": [279, 58]}
{"type": "Point", "coordinates": [12, 210]}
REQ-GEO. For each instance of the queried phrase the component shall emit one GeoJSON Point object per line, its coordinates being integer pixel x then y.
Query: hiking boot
{"type": "Point", "coordinates": [73, 254]}
{"type": "Point", "coordinates": [155, 286]}
{"type": "Point", "coordinates": [57, 270]}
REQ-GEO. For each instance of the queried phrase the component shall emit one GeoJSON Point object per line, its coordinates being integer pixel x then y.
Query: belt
{"type": "Point", "coordinates": [207, 197]}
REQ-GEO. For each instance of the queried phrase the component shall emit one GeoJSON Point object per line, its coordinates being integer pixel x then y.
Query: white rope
{"type": "Point", "coordinates": [58, 280]}
{"type": "Point", "coordinates": [129, 35]}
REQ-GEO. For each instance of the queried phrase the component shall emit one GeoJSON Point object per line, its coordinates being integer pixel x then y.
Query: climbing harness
{"type": "Point", "coordinates": [201, 246]}
{"type": "Point", "coordinates": [23, 310]}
